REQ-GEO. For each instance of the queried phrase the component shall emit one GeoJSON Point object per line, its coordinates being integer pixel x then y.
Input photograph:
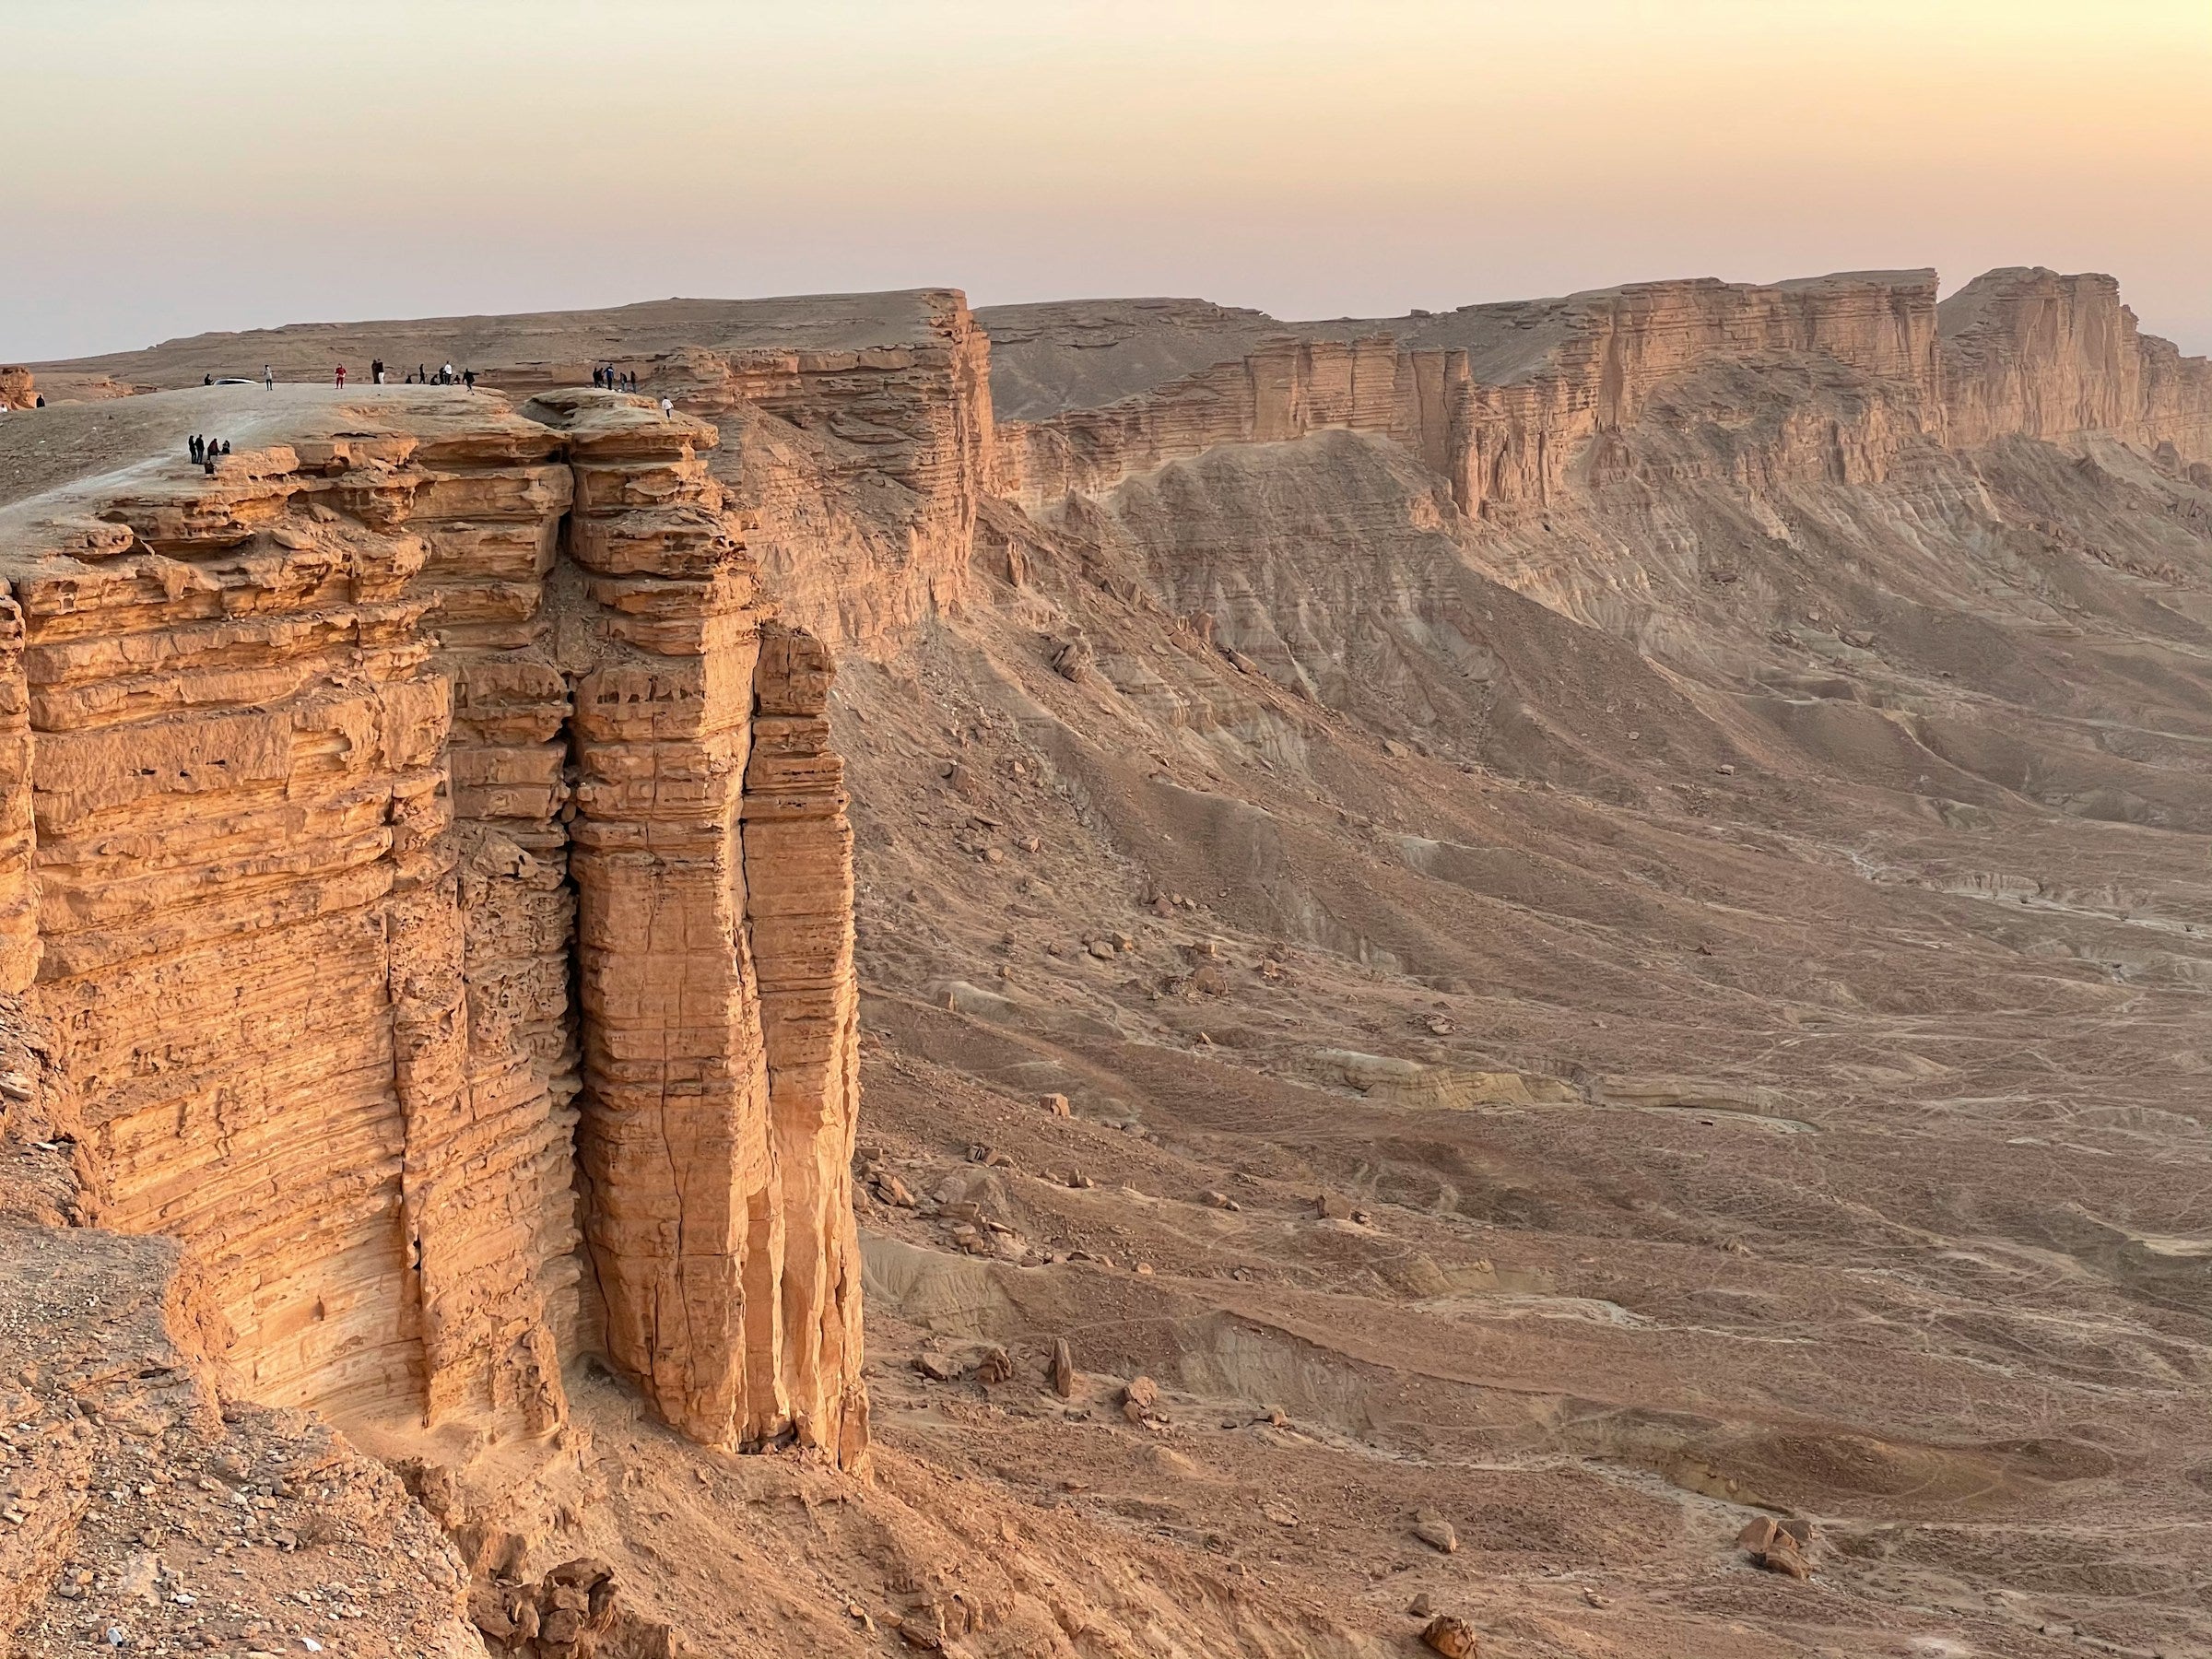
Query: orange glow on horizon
{"type": "Point", "coordinates": [181, 169]}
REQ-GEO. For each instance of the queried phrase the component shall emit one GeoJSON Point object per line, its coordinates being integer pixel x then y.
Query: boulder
{"type": "Point", "coordinates": [1063, 1368]}
{"type": "Point", "coordinates": [1140, 1399]}
{"type": "Point", "coordinates": [1433, 1530]}
{"type": "Point", "coordinates": [1782, 1547]}
{"type": "Point", "coordinates": [1450, 1636]}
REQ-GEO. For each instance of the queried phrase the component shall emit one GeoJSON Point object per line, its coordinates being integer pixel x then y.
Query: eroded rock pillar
{"type": "Point", "coordinates": [798, 863]}
{"type": "Point", "coordinates": [19, 949]}
{"type": "Point", "coordinates": [682, 1217]}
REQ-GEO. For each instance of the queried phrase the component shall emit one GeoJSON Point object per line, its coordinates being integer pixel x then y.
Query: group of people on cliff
{"type": "Point", "coordinates": [609, 378]}
{"type": "Point", "coordinates": [206, 451]}
{"type": "Point", "coordinates": [445, 374]}
{"type": "Point", "coordinates": [423, 375]}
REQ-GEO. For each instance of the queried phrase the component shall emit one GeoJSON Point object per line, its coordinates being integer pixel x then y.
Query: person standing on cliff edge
{"type": "Point", "coordinates": [269, 377]}
{"type": "Point", "coordinates": [667, 408]}
{"type": "Point", "coordinates": [341, 376]}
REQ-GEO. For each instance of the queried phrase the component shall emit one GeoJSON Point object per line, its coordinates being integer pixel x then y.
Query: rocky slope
{"type": "Point", "coordinates": [1489, 945]}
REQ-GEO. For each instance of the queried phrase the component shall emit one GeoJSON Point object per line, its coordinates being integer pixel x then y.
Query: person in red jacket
{"type": "Point", "coordinates": [341, 376]}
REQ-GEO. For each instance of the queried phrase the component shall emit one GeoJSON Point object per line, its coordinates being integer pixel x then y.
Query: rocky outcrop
{"type": "Point", "coordinates": [575, 1612]}
{"type": "Point", "coordinates": [1621, 345]}
{"type": "Point", "coordinates": [2030, 353]}
{"type": "Point", "coordinates": [1503, 400]}
{"type": "Point", "coordinates": [1503, 443]}
{"type": "Point", "coordinates": [798, 866]}
{"type": "Point", "coordinates": [897, 436]}
{"type": "Point", "coordinates": [17, 389]}
{"type": "Point", "coordinates": [857, 428]}
{"type": "Point", "coordinates": [1286, 388]}
{"type": "Point", "coordinates": [323, 778]}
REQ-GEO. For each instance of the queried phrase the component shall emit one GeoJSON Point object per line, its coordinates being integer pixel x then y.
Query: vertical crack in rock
{"type": "Point", "coordinates": [714, 884]}
{"type": "Point", "coordinates": [675, 1127]}
{"type": "Point", "coordinates": [798, 861]}
{"type": "Point", "coordinates": [480, 982]}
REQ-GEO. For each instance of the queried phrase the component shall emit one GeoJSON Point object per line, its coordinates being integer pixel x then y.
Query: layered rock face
{"type": "Point", "coordinates": [1503, 400]}
{"type": "Point", "coordinates": [909, 424]}
{"type": "Point", "coordinates": [1284, 389]}
{"type": "Point", "coordinates": [1503, 438]}
{"type": "Point", "coordinates": [1520, 437]}
{"type": "Point", "coordinates": [322, 779]}
{"type": "Point", "coordinates": [2033, 354]}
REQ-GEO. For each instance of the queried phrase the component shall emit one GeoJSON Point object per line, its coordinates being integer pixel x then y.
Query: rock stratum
{"type": "Point", "coordinates": [1502, 399]}
{"type": "Point", "coordinates": [345, 762]}
{"type": "Point", "coordinates": [1497, 950]}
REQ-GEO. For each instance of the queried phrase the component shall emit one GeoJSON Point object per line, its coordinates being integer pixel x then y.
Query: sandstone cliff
{"type": "Point", "coordinates": [1502, 400]}
{"type": "Point", "coordinates": [865, 421]}
{"type": "Point", "coordinates": [2032, 354]}
{"type": "Point", "coordinates": [1498, 399]}
{"type": "Point", "coordinates": [1283, 389]}
{"type": "Point", "coordinates": [331, 773]}
{"type": "Point", "coordinates": [1520, 437]}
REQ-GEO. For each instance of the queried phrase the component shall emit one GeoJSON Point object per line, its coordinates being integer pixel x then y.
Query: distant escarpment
{"type": "Point", "coordinates": [906, 424]}
{"type": "Point", "coordinates": [2037, 355]}
{"type": "Point", "coordinates": [1283, 389]}
{"type": "Point", "coordinates": [425, 846]}
{"type": "Point", "coordinates": [1499, 400]}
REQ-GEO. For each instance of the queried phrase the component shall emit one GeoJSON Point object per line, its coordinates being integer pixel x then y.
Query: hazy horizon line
{"type": "Point", "coordinates": [1944, 292]}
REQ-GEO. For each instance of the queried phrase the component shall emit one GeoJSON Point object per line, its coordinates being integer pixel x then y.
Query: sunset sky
{"type": "Point", "coordinates": [173, 168]}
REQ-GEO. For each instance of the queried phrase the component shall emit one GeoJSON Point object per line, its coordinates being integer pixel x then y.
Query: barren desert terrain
{"type": "Point", "coordinates": [1474, 950]}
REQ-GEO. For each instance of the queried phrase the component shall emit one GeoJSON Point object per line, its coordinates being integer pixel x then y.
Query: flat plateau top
{"type": "Point", "coordinates": [65, 457]}
{"type": "Point", "coordinates": [1078, 354]}
{"type": "Point", "coordinates": [310, 350]}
